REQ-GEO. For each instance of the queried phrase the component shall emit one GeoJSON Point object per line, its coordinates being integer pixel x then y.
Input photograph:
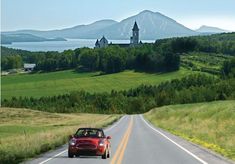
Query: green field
{"type": "Point", "coordinates": [25, 133]}
{"type": "Point", "coordinates": [210, 124]}
{"type": "Point", "coordinates": [54, 83]}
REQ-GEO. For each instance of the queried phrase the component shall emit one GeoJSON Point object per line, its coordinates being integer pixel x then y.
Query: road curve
{"type": "Point", "coordinates": [135, 140]}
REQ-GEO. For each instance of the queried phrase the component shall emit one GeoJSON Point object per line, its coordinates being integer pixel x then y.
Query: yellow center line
{"type": "Point", "coordinates": [121, 155]}
{"type": "Point", "coordinates": [122, 146]}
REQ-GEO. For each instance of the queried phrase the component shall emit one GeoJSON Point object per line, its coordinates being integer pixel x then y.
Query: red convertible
{"type": "Point", "coordinates": [89, 142]}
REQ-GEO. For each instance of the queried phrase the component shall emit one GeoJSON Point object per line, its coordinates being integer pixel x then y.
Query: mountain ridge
{"type": "Point", "coordinates": [153, 25]}
{"type": "Point", "coordinates": [210, 29]}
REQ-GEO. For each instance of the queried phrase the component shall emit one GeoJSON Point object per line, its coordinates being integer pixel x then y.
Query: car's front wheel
{"type": "Point", "coordinates": [104, 156]}
{"type": "Point", "coordinates": [77, 155]}
{"type": "Point", "coordinates": [70, 155]}
{"type": "Point", "coordinates": [108, 156]}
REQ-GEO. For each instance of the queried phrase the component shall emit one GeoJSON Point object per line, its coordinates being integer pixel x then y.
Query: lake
{"type": "Point", "coordinates": [61, 45]}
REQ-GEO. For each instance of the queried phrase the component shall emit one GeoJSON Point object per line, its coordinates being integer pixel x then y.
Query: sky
{"type": "Point", "coordinates": [58, 14]}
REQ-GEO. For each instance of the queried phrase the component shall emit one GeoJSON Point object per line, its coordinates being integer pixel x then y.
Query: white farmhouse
{"type": "Point", "coordinates": [29, 67]}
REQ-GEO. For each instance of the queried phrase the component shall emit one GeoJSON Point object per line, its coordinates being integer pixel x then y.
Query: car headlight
{"type": "Point", "coordinates": [101, 143]}
{"type": "Point", "coordinates": [72, 142]}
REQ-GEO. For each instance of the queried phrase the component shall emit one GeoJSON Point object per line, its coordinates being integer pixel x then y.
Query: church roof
{"type": "Point", "coordinates": [28, 65]}
{"type": "Point", "coordinates": [135, 28]}
{"type": "Point", "coordinates": [97, 42]}
{"type": "Point", "coordinates": [104, 40]}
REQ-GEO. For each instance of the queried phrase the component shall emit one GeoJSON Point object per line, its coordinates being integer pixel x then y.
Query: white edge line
{"type": "Point", "coordinates": [187, 151]}
{"type": "Point", "coordinates": [53, 157]}
{"type": "Point", "coordinates": [67, 150]}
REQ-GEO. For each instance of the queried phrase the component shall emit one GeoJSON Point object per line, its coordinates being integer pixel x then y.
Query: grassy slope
{"type": "Point", "coordinates": [25, 133]}
{"type": "Point", "coordinates": [47, 84]}
{"type": "Point", "coordinates": [205, 60]}
{"type": "Point", "coordinates": [209, 124]}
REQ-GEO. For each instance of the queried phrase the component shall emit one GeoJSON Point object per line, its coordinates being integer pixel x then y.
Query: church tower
{"type": "Point", "coordinates": [135, 35]}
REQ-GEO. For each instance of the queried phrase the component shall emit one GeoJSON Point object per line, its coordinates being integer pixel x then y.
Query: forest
{"type": "Point", "coordinates": [112, 59]}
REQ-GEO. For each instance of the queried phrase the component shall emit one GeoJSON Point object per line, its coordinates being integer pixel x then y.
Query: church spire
{"type": "Point", "coordinates": [134, 40]}
{"type": "Point", "coordinates": [135, 28]}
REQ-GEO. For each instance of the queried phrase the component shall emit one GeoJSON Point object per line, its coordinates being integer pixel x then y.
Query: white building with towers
{"type": "Point", "coordinates": [134, 39]}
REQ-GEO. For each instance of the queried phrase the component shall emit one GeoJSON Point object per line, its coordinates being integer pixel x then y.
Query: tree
{"type": "Point", "coordinates": [11, 62]}
{"type": "Point", "coordinates": [228, 68]}
{"type": "Point", "coordinates": [171, 61]}
{"type": "Point", "coordinates": [180, 45]}
{"type": "Point", "coordinates": [88, 59]}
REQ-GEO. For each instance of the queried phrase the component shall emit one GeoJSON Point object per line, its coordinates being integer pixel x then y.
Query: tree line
{"type": "Point", "coordinates": [108, 60]}
{"type": "Point", "coordinates": [191, 89]}
{"type": "Point", "coordinates": [217, 43]}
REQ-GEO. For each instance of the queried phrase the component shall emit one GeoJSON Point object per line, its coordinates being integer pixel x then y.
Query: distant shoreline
{"type": "Point", "coordinates": [60, 46]}
{"type": "Point", "coordinates": [15, 38]}
{"type": "Point", "coordinates": [46, 40]}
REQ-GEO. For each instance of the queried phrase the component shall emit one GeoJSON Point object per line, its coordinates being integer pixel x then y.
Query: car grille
{"type": "Point", "coordinates": [86, 146]}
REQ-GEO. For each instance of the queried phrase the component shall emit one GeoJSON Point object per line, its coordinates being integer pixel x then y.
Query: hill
{"type": "Point", "coordinates": [54, 83]}
{"type": "Point", "coordinates": [26, 133]}
{"type": "Point", "coordinates": [153, 26]}
{"type": "Point", "coordinates": [210, 124]}
{"type": "Point", "coordinates": [209, 29]}
{"type": "Point", "coordinates": [9, 38]}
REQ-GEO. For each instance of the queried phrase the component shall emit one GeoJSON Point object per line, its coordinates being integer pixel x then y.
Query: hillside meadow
{"type": "Point", "coordinates": [61, 82]}
{"type": "Point", "coordinates": [25, 133]}
{"type": "Point", "coordinates": [205, 62]}
{"type": "Point", "coordinates": [210, 124]}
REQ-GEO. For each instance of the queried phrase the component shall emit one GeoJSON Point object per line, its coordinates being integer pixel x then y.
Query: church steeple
{"type": "Point", "coordinates": [135, 35]}
{"type": "Point", "coordinates": [135, 28]}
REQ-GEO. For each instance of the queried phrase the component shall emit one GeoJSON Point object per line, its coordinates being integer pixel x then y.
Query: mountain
{"type": "Point", "coordinates": [209, 29]}
{"type": "Point", "coordinates": [9, 38]}
{"type": "Point", "coordinates": [73, 32]}
{"type": "Point", "coordinates": [153, 25]}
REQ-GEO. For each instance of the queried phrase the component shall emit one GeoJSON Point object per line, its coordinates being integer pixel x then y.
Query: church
{"type": "Point", "coordinates": [134, 39]}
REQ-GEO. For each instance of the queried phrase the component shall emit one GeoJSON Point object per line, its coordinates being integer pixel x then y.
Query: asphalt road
{"type": "Point", "coordinates": [135, 141]}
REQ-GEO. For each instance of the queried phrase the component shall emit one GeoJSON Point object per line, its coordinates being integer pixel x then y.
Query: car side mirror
{"type": "Point", "coordinates": [109, 137]}
{"type": "Point", "coordinates": [71, 136]}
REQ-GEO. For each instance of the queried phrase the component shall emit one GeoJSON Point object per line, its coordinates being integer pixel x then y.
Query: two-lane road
{"type": "Point", "coordinates": [135, 141]}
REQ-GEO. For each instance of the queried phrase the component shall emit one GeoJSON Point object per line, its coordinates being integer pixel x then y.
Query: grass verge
{"type": "Point", "coordinates": [26, 133]}
{"type": "Point", "coordinates": [211, 125]}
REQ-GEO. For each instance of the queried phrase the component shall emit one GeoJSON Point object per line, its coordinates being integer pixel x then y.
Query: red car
{"type": "Point", "coordinates": [89, 142]}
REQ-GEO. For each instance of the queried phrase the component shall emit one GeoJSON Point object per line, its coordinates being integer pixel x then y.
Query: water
{"type": "Point", "coordinates": [61, 45]}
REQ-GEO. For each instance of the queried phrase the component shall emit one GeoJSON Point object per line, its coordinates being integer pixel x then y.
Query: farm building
{"type": "Point", "coordinates": [29, 67]}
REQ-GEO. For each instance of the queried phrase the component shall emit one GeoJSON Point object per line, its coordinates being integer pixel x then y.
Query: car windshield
{"type": "Point", "coordinates": [96, 133]}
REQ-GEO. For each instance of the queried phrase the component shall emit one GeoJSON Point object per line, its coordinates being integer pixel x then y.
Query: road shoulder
{"type": "Point", "coordinates": [201, 152]}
